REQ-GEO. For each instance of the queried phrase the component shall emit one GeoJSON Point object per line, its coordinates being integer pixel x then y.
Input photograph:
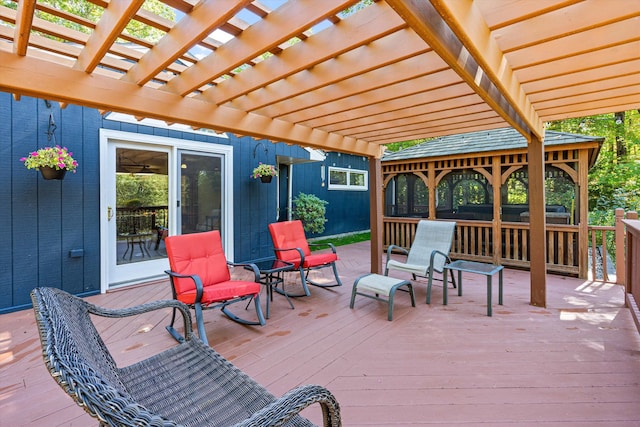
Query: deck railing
{"type": "Point", "coordinates": [474, 241]}
{"type": "Point", "coordinates": [632, 266]}
{"type": "Point", "coordinates": [143, 218]}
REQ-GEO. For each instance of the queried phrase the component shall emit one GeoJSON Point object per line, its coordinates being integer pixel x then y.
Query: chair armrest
{"type": "Point", "coordinates": [145, 308]}
{"type": "Point", "coordinates": [248, 265]}
{"type": "Point", "coordinates": [391, 248]}
{"type": "Point", "coordinates": [196, 280]}
{"type": "Point", "coordinates": [436, 252]}
{"type": "Point", "coordinates": [291, 403]}
{"type": "Point", "coordinates": [333, 248]}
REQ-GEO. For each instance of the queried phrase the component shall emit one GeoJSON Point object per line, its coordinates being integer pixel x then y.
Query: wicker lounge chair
{"type": "Point", "coordinates": [187, 385]}
{"type": "Point", "coordinates": [428, 253]}
{"type": "Point", "coordinates": [290, 245]}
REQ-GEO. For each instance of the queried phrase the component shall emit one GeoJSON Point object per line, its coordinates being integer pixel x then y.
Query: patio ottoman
{"type": "Point", "coordinates": [375, 285]}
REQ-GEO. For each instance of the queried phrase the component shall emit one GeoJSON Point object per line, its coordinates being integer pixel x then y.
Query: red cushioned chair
{"type": "Point", "coordinates": [290, 244]}
{"type": "Point", "coordinates": [200, 278]}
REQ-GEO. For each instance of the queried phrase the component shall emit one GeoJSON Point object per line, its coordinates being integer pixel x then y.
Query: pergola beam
{"type": "Point", "coordinates": [204, 19]}
{"type": "Point", "coordinates": [38, 78]}
{"type": "Point", "coordinates": [280, 26]}
{"type": "Point", "coordinates": [406, 95]}
{"type": "Point", "coordinates": [24, 20]}
{"type": "Point", "coordinates": [349, 70]}
{"type": "Point", "coordinates": [464, 42]}
{"type": "Point", "coordinates": [360, 29]}
{"type": "Point", "coordinates": [113, 21]}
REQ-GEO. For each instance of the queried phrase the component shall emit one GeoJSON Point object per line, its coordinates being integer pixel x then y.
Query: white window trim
{"type": "Point", "coordinates": [349, 187]}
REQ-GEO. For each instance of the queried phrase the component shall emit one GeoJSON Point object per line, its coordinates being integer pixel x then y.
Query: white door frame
{"type": "Point", "coordinates": [172, 145]}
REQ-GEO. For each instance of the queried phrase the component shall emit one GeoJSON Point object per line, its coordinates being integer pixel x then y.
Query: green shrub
{"type": "Point", "coordinates": [311, 211]}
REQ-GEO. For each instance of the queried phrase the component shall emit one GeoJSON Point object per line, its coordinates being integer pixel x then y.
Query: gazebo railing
{"type": "Point", "coordinates": [474, 241]}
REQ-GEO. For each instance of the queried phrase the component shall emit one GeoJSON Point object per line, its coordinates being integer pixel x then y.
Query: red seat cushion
{"type": "Point", "coordinates": [202, 254]}
{"type": "Point", "coordinates": [315, 260]}
{"type": "Point", "coordinates": [290, 234]}
{"type": "Point", "coordinates": [222, 292]}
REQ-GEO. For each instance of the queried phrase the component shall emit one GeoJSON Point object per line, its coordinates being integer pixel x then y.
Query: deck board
{"type": "Point", "coordinates": [572, 363]}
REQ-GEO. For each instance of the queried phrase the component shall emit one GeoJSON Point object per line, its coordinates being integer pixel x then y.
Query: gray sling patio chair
{"type": "Point", "coordinates": [428, 253]}
{"type": "Point", "coordinates": [187, 385]}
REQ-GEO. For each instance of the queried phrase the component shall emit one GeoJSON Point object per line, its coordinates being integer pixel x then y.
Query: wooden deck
{"type": "Point", "coordinates": [574, 363]}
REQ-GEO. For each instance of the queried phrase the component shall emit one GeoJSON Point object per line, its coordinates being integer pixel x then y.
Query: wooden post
{"type": "Point", "coordinates": [538, 232]}
{"type": "Point", "coordinates": [496, 173]}
{"type": "Point", "coordinates": [632, 284]}
{"type": "Point", "coordinates": [375, 214]}
{"type": "Point", "coordinates": [620, 249]}
{"type": "Point", "coordinates": [431, 177]}
{"type": "Point", "coordinates": [583, 214]}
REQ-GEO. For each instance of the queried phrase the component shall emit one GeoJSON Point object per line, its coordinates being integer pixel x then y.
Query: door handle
{"type": "Point", "coordinates": [109, 213]}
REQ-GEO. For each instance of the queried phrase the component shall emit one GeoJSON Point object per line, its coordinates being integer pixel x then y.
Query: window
{"type": "Point", "coordinates": [348, 179]}
{"type": "Point", "coordinates": [406, 195]}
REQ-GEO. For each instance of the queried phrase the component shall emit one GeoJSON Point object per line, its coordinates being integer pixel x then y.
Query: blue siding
{"type": "Point", "coordinates": [44, 220]}
{"type": "Point", "coordinates": [347, 210]}
{"type": "Point", "coordinates": [7, 159]}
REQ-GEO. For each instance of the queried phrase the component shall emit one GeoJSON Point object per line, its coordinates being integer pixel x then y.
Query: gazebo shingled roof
{"type": "Point", "coordinates": [506, 139]}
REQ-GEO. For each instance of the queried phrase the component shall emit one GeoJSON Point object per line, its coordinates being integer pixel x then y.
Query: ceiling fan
{"type": "Point", "coordinates": [126, 165]}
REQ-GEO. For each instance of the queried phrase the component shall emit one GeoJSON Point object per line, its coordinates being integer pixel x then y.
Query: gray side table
{"type": "Point", "coordinates": [478, 268]}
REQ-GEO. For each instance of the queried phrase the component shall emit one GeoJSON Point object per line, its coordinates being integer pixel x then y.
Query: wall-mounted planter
{"type": "Point", "coordinates": [266, 179]}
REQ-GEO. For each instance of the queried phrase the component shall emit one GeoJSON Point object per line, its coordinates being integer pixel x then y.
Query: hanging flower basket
{"type": "Point", "coordinates": [52, 173]}
{"type": "Point", "coordinates": [265, 172]}
{"type": "Point", "coordinates": [53, 162]}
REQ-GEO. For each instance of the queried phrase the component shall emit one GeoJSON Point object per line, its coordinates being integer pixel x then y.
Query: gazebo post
{"type": "Point", "coordinates": [375, 213]}
{"type": "Point", "coordinates": [431, 174]}
{"type": "Point", "coordinates": [537, 226]}
{"type": "Point", "coordinates": [583, 213]}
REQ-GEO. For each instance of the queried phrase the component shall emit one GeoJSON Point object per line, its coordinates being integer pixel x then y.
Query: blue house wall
{"type": "Point", "coordinates": [44, 220]}
{"type": "Point", "coordinates": [347, 210]}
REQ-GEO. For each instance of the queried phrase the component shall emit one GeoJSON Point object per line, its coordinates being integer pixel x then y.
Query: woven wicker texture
{"type": "Point", "coordinates": [187, 385]}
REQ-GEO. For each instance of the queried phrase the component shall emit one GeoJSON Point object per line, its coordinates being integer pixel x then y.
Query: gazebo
{"type": "Point", "coordinates": [337, 75]}
{"type": "Point", "coordinates": [480, 180]}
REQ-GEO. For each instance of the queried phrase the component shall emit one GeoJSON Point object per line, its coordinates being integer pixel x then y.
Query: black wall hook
{"type": "Point", "coordinates": [266, 151]}
{"type": "Point", "coordinates": [51, 129]}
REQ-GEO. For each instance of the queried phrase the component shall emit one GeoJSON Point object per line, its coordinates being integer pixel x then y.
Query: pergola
{"type": "Point", "coordinates": [392, 71]}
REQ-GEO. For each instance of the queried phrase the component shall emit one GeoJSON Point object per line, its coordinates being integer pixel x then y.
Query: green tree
{"type": "Point", "coordinates": [397, 146]}
{"type": "Point", "coordinates": [91, 12]}
{"type": "Point", "coordinates": [134, 190]}
{"type": "Point", "coordinates": [614, 181]}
